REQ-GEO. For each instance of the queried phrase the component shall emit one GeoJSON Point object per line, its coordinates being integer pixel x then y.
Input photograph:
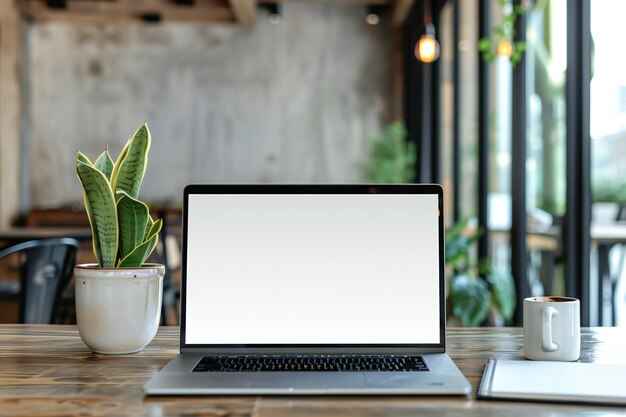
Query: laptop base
{"type": "Point", "coordinates": [177, 378]}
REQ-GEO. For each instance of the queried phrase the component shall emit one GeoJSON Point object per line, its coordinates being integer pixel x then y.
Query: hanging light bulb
{"type": "Point", "coordinates": [274, 15]}
{"type": "Point", "coordinates": [427, 48]}
{"type": "Point", "coordinates": [274, 18]}
{"type": "Point", "coordinates": [504, 48]}
{"type": "Point", "coordinates": [373, 14]}
{"type": "Point", "coordinates": [372, 19]}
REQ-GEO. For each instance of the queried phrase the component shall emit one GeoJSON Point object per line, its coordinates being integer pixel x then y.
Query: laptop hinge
{"type": "Point", "coordinates": [311, 351]}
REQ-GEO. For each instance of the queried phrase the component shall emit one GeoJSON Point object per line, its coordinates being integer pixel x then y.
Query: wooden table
{"type": "Point", "coordinates": [47, 371]}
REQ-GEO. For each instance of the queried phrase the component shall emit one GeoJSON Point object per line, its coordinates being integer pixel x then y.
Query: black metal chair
{"type": "Point", "coordinates": [169, 305]}
{"type": "Point", "coordinates": [45, 269]}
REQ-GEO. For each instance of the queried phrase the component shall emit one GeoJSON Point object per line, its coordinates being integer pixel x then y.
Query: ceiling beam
{"type": "Point", "coordinates": [370, 2]}
{"type": "Point", "coordinates": [204, 11]}
{"type": "Point", "coordinates": [244, 11]}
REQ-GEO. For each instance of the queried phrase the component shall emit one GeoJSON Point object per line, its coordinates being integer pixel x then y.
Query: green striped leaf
{"type": "Point", "coordinates": [81, 157]}
{"type": "Point", "coordinates": [154, 232]}
{"type": "Point", "coordinates": [138, 256]}
{"type": "Point", "coordinates": [131, 164]}
{"type": "Point", "coordinates": [133, 216]}
{"type": "Point", "coordinates": [118, 163]}
{"type": "Point", "coordinates": [156, 228]}
{"type": "Point", "coordinates": [94, 246]}
{"type": "Point", "coordinates": [104, 163]}
{"type": "Point", "coordinates": [149, 225]}
{"type": "Point", "coordinates": [102, 213]}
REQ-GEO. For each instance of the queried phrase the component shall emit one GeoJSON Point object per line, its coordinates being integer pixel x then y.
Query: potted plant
{"type": "Point", "coordinates": [607, 197]}
{"type": "Point", "coordinates": [478, 294]}
{"type": "Point", "coordinates": [505, 45]}
{"type": "Point", "coordinates": [118, 300]}
{"type": "Point", "coordinates": [472, 299]}
{"type": "Point", "coordinates": [391, 159]}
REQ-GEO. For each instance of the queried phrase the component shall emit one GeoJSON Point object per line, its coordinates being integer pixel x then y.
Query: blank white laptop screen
{"type": "Point", "coordinates": [312, 269]}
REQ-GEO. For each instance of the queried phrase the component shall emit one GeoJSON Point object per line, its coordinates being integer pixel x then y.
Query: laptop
{"type": "Point", "coordinates": [312, 289]}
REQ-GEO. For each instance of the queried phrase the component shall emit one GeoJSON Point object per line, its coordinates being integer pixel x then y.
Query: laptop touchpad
{"type": "Point", "coordinates": [308, 380]}
{"type": "Point", "coordinates": [221, 379]}
{"type": "Point", "coordinates": [394, 379]}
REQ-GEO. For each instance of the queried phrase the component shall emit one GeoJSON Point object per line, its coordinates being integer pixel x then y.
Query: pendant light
{"type": "Point", "coordinates": [427, 48]}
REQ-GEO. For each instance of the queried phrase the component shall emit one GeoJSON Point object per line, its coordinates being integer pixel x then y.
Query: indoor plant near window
{"type": "Point", "coordinates": [607, 196]}
{"type": "Point", "coordinates": [118, 300]}
{"type": "Point", "coordinates": [478, 294]}
{"type": "Point", "coordinates": [391, 159]}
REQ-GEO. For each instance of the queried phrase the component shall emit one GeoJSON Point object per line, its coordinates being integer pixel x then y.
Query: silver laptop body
{"type": "Point", "coordinates": [312, 272]}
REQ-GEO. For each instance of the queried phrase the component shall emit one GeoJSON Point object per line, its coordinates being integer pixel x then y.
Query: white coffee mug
{"type": "Point", "coordinates": [552, 328]}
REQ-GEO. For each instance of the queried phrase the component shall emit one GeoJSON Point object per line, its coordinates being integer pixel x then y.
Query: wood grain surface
{"type": "Point", "coordinates": [46, 370]}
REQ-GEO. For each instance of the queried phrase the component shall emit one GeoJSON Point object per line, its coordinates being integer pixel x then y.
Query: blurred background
{"type": "Point", "coordinates": [517, 107]}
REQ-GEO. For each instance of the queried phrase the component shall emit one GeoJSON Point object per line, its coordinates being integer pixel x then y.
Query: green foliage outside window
{"type": "Point", "coordinates": [609, 192]}
{"type": "Point", "coordinates": [504, 43]}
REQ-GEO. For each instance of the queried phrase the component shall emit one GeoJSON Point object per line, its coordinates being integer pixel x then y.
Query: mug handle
{"type": "Point", "coordinates": [547, 345]}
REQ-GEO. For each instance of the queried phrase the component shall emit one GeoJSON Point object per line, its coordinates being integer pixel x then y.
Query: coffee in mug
{"type": "Point", "coordinates": [552, 328]}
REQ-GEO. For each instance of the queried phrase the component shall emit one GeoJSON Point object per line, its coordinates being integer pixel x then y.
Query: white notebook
{"type": "Point", "coordinates": [554, 381]}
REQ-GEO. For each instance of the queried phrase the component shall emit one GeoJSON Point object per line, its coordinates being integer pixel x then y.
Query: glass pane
{"type": "Point", "coordinates": [446, 107]}
{"type": "Point", "coordinates": [546, 61]}
{"type": "Point", "coordinates": [468, 56]}
{"type": "Point", "coordinates": [499, 198]}
{"type": "Point", "coordinates": [608, 165]}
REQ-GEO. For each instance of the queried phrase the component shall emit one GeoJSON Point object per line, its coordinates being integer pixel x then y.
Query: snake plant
{"type": "Point", "coordinates": [123, 232]}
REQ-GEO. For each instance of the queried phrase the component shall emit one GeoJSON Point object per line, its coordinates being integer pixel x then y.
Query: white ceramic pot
{"type": "Point", "coordinates": [604, 212]}
{"type": "Point", "coordinates": [118, 309]}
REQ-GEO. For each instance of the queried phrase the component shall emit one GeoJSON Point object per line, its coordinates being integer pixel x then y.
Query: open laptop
{"type": "Point", "coordinates": [312, 289]}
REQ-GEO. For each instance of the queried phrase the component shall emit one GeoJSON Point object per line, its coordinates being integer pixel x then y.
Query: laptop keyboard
{"type": "Point", "coordinates": [300, 363]}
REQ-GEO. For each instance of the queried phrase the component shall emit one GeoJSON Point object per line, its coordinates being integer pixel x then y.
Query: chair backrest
{"type": "Point", "coordinates": [45, 269]}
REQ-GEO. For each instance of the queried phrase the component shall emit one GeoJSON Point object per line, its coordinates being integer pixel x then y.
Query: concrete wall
{"type": "Point", "coordinates": [290, 103]}
{"type": "Point", "coordinates": [10, 102]}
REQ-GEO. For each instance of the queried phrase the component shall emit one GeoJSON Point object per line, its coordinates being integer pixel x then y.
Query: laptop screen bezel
{"type": "Point", "coordinates": [200, 189]}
